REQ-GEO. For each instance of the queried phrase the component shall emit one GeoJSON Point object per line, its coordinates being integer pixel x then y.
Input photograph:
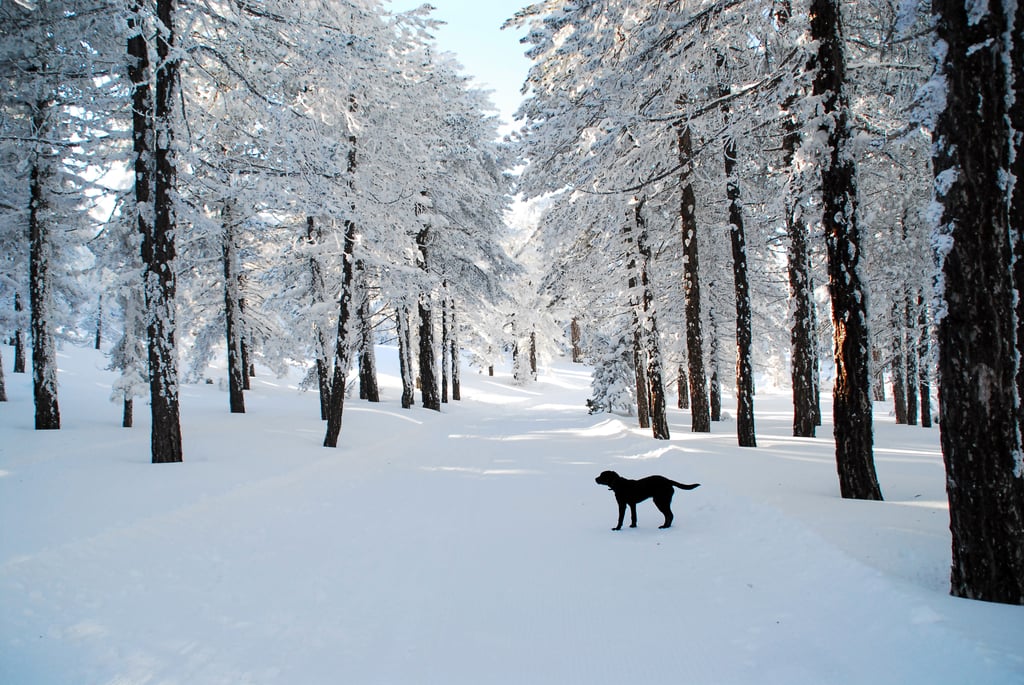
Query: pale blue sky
{"type": "Point", "coordinates": [473, 32]}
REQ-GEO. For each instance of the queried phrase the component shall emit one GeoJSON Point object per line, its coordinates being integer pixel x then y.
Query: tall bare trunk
{"type": "Point", "coordinates": [851, 392]}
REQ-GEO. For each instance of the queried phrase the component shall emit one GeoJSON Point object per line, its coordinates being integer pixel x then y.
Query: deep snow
{"type": "Point", "coordinates": [470, 546]}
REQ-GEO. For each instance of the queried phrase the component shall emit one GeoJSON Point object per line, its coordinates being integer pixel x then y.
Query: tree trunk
{"type": "Point", "coordinates": [127, 412]}
{"type": "Point", "coordinates": [454, 354]}
{"type": "Point", "coordinates": [369, 390]}
{"type": "Point", "coordinates": [745, 434]}
{"type": "Point", "coordinates": [405, 364]}
{"type": "Point", "coordinates": [977, 335]}
{"type": "Point", "coordinates": [428, 364]}
{"type": "Point", "coordinates": [318, 288]}
{"type": "Point", "coordinates": [342, 338]}
{"type": "Point", "coordinates": [232, 315]}
{"type": "Point", "coordinates": [445, 344]}
{"type": "Point", "coordinates": [99, 323]}
{"type": "Point", "coordinates": [899, 381]}
{"type": "Point", "coordinates": [3, 384]}
{"type": "Point", "coordinates": [643, 406]}
{"type": "Point", "coordinates": [44, 359]}
{"type": "Point", "coordinates": [656, 387]}
{"type": "Point", "coordinates": [700, 411]}
{"type": "Point", "coordinates": [19, 336]}
{"type": "Point", "coordinates": [911, 361]}
{"type": "Point", "coordinates": [153, 141]}
{"type": "Point", "coordinates": [924, 362]}
{"type": "Point", "coordinates": [682, 388]}
{"type": "Point", "coordinates": [575, 336]}
{"type": "Point", "coordinates": [533, 354]}
{"type": "Point", "coordinates": [714, 383]}
{"type": "Point", "coordinates": [851, 392]}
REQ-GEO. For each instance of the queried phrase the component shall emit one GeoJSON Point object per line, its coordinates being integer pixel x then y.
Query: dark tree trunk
{"type": "Point", "coordinates": [445, 344]}
{"type": "Point", "coordinates": [3, 384]}
{"type": "Point", "coordinates": [1016, 119]}
{"type": "Point", "coordinates": [700, 411]}
{"type": "Point", "coordinates": [44, 359]}
{"type": "Point", "coordinates": [851, 392]}
{"type": "Point", "coordinates": [153, 142]}
{"type": "Point", "coordinates": [656, 387]}
{"type": "Point", "coordinates": [454, 354]}
{"type": "Point", "coordinates": [232, 315]}
{"type": "Point", "coordinates": [342, 340]}
{"type": "Point", "coordinates": [127, 412]}
{"type": "Point", "coordinates": [405, 364]}
{"type": "Point", "coordinates": [575, 336]}
{"type": "Point", "coordinates": [533, 355]}
{"type": "Point", "coordinates": [924, 362]}
{"type": "Point", "coordinates": [369, 390]}
{"type": "Point", "coordinates": [899, 380]}
{"type": "Point", "coordinates": [19, 341]}
{"type": "Point", "coordinates": [978, 334]}
{"type": "Point", "coordinates": [317, 287]}
{"type": "Point", "coordinates": [428, 364]}
{"type": "Point", "coordinates": [99, 324]}
{"type": "Point", "coordinates": [803, 343]}
{"type": "Point", "coordinates": [745, 434]}
{"type": "Point", "coordinates": [715, 382]}
{"type": "Point", "coordinates": [911, 360]}
{"type": "Point", "coordinates": [643, 406]}
{"type": "Point", "coordinates": [682, 389]}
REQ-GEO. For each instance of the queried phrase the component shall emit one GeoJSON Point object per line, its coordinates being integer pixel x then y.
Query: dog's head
{"type": "Point", "coordinates": [608, 478]}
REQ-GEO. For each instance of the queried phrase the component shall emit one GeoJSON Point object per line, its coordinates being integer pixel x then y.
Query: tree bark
{"type": "Point", "coordinates": [369, 390]}
{"type": "Point", "coordinates": [700, 411]}
{"type": "Point", "coordinates": [682, 388]}
{"type": "Point", "coordinates": [445, 344]}
{"type": "Point", "coordinates": [897, 358]}
{"type": "Point", "coordinates": [318, 288]}
{"type": "Point", "coordinates": [19, 339]}
{"type": "Point", "coordinates": [851, 392]}
{"type": "Point", "coordinates": [405, 363]}
{"type": "Point", "coordinates": [454, 354]}
{"type": "Point", "coordinates": [745, 433]}
{"type": "Point", "coordinates": [924, 362]}
{"type": "Point", "coordinates": [232, 315]}
{"type": "Point", "coordinates": [3, 384]}
{"type": "Point", "coordinates": [977, 335]}
{"type": "Point", "coordinates": [714, 383]}
{"type": "Point", "coordinates": [575, 335]}
{"type": "Point", "coordinates": [153, 138]}
{"type": "Point", "coordinates": [911, 361]}
{"type": "Point", "coordinates": [342, 338]}
{"type": "Point", "coordinates": [803, 343]}
{"type": "Point", "coordinates": [44, 360]}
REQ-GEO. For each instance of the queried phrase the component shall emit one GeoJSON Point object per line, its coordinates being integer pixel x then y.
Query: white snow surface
{"type": "Point", "coordinates": [467, 546]}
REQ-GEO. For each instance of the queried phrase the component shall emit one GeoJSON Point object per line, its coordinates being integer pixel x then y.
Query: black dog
{"type": "Point", "coordinates": [632, 492]}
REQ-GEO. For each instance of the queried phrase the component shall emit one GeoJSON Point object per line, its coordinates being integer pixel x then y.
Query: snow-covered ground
{"type": "Point", "coordinates": [470, 546]}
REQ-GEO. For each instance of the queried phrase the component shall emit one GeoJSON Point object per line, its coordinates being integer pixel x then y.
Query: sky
{"type": "Point", "coordinates": [492, 56]}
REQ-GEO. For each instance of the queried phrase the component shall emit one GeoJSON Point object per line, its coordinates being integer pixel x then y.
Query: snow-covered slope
{"type": "Point", "coordinates": [470, 546]}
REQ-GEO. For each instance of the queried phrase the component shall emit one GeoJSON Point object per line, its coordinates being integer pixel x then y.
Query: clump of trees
{"type": "Point", "coordinates": [296, 179]}
{"type": "Point", "coordinates": [790, 144]}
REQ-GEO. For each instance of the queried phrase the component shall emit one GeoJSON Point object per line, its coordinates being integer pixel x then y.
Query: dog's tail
{"type": "Point", "coordinates": [685, 486]}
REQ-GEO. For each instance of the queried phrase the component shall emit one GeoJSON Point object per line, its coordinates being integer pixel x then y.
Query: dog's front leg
{"type": "Point", "coordinates": [622, 514]}
{"type": "Point", "coordinates": [632, 515]}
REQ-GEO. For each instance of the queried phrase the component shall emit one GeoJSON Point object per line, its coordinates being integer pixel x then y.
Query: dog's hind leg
{"type": "Point", "coordinates": [664, 505]}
